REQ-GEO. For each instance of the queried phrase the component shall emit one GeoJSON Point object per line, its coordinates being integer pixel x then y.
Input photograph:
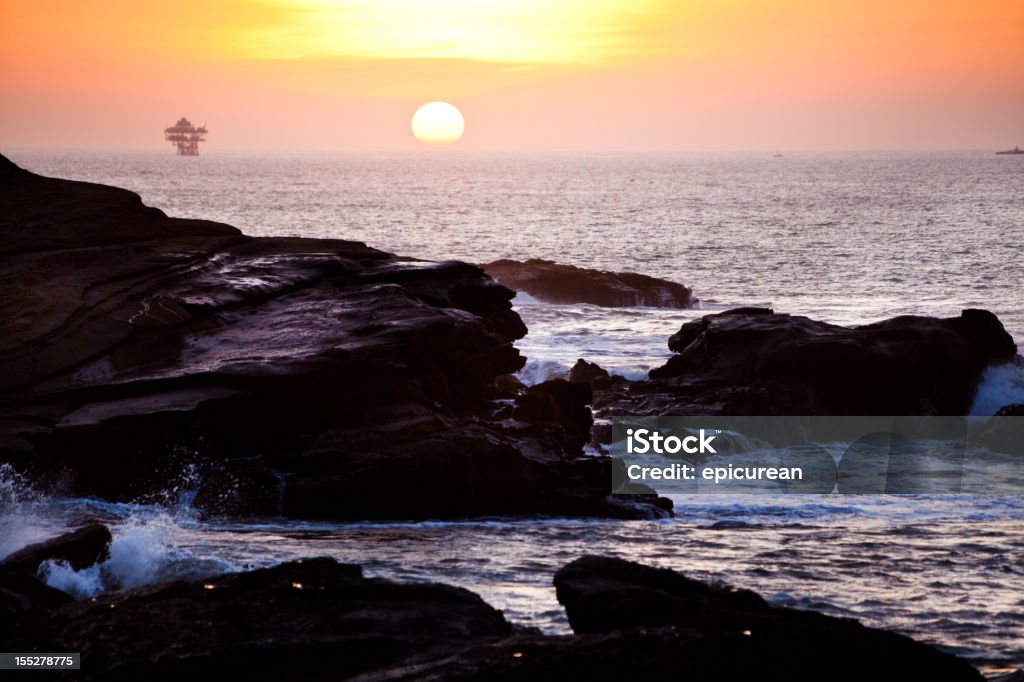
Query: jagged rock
{"type": "Point", "coordinates": [509, 385]}
{"type": "Point", "coordinates": [281, 370]}
{"type": "Point", "coordinates": [79, 549]}
{"type": "Point", "coordinates": [606, 595]}
{"type": "Point", "coordinates": [398, 470]}
{"type": "Point", "coordinates": [559, 402]}
{"type": "Point", "coordinates": [557, 283]}
{"type": "Point", "coordinates": [584, 372]}
{"type": "Point", "coordinates": [757, 362]}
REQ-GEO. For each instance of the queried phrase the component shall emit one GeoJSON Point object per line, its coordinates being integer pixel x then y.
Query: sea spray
{"type": "Point", "coordinates": [1001, 385]}
{"type": "Point", "coordinates": [25, 517]}
{"type": "Point", "coordinates": [538, 371]}
{"type": "Point", "coordinates": [150, 540]}
{"type": "Point", "coordinates": [145, 549]}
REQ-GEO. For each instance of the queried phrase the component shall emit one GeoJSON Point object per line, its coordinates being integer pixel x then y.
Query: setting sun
{"type": "Point", "coordinates": [438, 123]}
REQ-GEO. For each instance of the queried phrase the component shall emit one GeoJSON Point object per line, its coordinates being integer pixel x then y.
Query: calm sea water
{"type": "Point", "coordinates": [848, 238]}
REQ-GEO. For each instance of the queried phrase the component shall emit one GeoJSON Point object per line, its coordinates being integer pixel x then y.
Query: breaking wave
{"type": "Point", "coordinates": [144, 550]}
{"type": "Point", "coordinates": [1000, 386]}
{"type": "Point", "coordinates": [150, 541]}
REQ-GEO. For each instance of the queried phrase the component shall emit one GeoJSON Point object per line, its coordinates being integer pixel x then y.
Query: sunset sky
{"type": "Point", "coordinates": [528, 75]}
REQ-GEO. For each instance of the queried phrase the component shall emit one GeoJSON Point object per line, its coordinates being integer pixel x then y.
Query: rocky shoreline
{"type": "Point", "coordinates": [317, 619]}
{"type": "Point", "coordinates": [326, 379]}
{"type": "Point", "coordinates": [309, 378]}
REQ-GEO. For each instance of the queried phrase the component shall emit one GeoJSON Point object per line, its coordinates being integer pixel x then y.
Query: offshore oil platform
{"type": "Point", "coordinates": [185, 136]}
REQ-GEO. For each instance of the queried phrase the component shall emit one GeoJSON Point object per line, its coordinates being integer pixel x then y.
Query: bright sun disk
{"type": "Point", "coordinates": [438, 123]}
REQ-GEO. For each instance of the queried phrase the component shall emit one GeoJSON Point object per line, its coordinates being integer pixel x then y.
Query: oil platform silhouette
{"type": "Point", "coordinates": [185, 136]}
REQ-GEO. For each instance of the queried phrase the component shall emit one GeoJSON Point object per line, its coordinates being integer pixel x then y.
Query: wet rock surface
{"type": "Point", "coordinates": [753, 361]}
{"type": "Point", "coordinates": [78, 549]}
{"type": "Point", "coordinates": [316, 619]}
{"type": "Point", "coordinates": [556, 283]}
{"type": "Point", "coordinates": [590, 373]}
{"type": "Point", "coordinates": [559, 402]}
{"type": "Point", "coordinates": [310, 377]}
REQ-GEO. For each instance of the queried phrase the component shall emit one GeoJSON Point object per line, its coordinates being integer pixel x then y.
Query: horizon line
{"type": "Point", "coordinates": [519, 152]}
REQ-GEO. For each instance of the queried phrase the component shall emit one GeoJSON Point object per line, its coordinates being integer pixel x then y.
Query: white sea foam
{"type": "Point", "coordinates": [1000, 386]}
{"type": "Point", "coordinates": [145, 548]}
{"type": "Point", "coordinates": [142, 551]}
{"type": "Point", "coordinates": [631, 372]}
{"type": "Point", "coordinates": [523, 298]}
{"type": "Point", "coordinates": [539, 371]}
{"type": "Point", "coordinates": [150, 542]}
{"type": "Point", "coordinates": [79, 584]}
{"type": "Point", "coordinates": [24, 516]}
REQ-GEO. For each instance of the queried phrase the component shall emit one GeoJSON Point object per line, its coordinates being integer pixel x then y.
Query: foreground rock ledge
{"type": "Point", "coordinates": [319, 620]}
{"type": "Point", "coordinates": [313, 378]}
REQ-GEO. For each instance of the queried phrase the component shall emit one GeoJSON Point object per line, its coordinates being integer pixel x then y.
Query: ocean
{"type": "Point", "coordinates": [844, 237]}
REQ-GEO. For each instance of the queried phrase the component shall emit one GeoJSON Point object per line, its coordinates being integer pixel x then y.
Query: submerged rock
{"type": "Point", "coordinates": [79, 549]}
{"type": "Point", "coordinates": [303, 376]}
{"type": "Point", "coordinates": [557, 283]}
{"type": "Point", "coordinates": [756, 362]}
{"type": "Point", "coordinates": [316, 619]}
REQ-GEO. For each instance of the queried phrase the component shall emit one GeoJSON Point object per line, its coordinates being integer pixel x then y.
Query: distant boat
{"type": "Point", "coordinates": [1015, 150]}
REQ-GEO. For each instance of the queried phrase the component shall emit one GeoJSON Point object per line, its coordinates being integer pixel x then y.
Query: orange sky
{"type": "Point", "coordinates": [527, 74]}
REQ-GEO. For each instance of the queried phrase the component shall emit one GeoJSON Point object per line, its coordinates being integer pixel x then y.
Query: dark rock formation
{"type": "Point", "coordinates": [509, 386]}
{"type": "Point", "coordinates": [319, 620]}
{"type": "Point", "coordinates": [604, 595]}
{"type": "Point", "coordinates": [79, 549]}
{"type": "Point", "coordinates": [314, 377]}
{"type": "Point", "coordinates": [560, 402]}
{"type": "Point", "coordinates": [584, 372]}
{"type": "Point", "coordinates": [756, 362]}
{"type": "Point", "coordinates": [26, 604]}
{"type": "Point", "coordinates": [556, 283]}
{"type": "Point", "coordinates": [415, 467]}
{"type": "Point", "coordinates": [310, 619]}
